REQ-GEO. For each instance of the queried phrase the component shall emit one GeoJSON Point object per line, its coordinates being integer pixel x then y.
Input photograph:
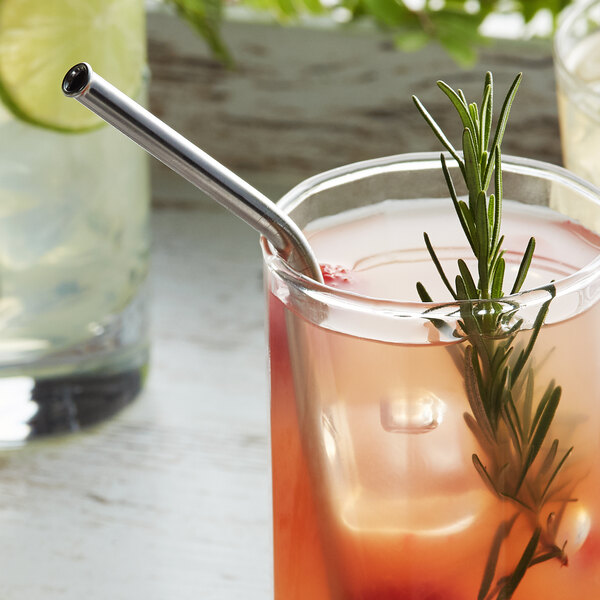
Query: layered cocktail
{"type": "Point", "coordinates": [386, 483]}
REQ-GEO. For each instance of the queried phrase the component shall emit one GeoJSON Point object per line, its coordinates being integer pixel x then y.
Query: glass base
{"type": "Point", "coordinates": [33, 407]}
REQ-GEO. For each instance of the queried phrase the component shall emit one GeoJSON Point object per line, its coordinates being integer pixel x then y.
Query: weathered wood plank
{"type": "Point", "coordinates": [301, 101]}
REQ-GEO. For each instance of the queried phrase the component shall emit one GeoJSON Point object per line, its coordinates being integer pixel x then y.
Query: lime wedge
{"type": "Point", "coordinates": [41, 39]}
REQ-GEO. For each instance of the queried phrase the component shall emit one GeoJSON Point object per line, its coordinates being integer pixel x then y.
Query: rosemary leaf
{"type": "Point", "coordinates": [513, 581]}
{"type": "Point", "coordinates": [524, 267]}
{"type": "Point", "coordinates": [491, 212]}
{"type": "Point", "coordinates": [484, 475]}
{"type": "Point", "coordinates": [540, 433]}
{"type": "Point", "coordinates": [467, 225]}
{"type": "Point", "coordinates": [473, 111]}
{"type": "Point", "coordinates": [549, 458]}
{"type": "Point", "coordinates": [472, 176]}
{"type": "Point", "coordinates": [470, 287]}
{"type": "Point", "coordinates": [470, 222]}
{"type": "Point", "coordinates": [498, 191]}
{"type": "Point", "coordinates": [555, 473]}
{"type": "Point", "coordinates": [439, 133]}
{"type": "Point", "coordinates": [474, 397]}
{"type": "Point", "coordinates": [461, 288]}
{"type": "Point", "coordinates": [483, 231]}
{"type": "Point", "coordinates": [556, 552]}
{"type": "Point", "coordinates": [541, 407]}
{"type": "Point", "coordinates": [498, 279]}
{"type": "Point", "coordinates": [486, 443]}
{"type": "Point", "coordinates": [423, 293]}
{"type": "Point", "coordinates": [501, 534]}
{"type": "Point", "coordinates": [500, 128]}
{"type": "Point", "coordinates": [487, 108]}
{"type": "Point", "coordinates": [459, 104]}
{"type": "Point", "coordinates": [438, 266]}
{"type": "Point", "coordinates": [528, 405]}
{"type": "Point", "coordinates": [537, 325]}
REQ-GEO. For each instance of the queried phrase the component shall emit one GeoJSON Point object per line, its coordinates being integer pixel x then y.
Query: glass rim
{"type": "Point", "coordinates": [423, 160]}
{"type": "Point", "coordinates": [566, 20]}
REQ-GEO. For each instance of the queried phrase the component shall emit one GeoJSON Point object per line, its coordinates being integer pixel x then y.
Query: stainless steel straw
{"type": "Point", "coordinates": [193, 164]}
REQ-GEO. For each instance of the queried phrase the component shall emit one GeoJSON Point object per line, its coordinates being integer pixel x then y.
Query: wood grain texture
{"type": "Point", "coordinates": [301, 101]}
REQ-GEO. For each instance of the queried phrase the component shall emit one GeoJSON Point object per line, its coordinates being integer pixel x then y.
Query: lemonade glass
{"type": "Point", "coordinates": [577, 63]}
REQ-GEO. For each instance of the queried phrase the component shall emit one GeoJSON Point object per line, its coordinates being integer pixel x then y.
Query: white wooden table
{"type": "Point", "coordinates": [170, 499]}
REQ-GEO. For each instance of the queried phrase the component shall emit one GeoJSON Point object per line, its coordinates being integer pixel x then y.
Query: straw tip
{"type": "Point", "coordinates": [76, 80]}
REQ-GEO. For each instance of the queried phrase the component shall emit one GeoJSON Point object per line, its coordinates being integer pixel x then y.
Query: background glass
{"type": "Point", "coordinates": [577, 60]}
{"type": "Point", "coordinates": [74, 245]}
{"type": "Point", "coordinates": [375, 494]}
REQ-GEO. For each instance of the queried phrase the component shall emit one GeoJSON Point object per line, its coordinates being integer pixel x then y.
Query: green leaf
{"type": "Point", "coordinates": [438, 266]}
{"type": "Point", "coordinates": [206, 16]}
{"type": "Point", "coordinates": [487, 108]}
{"type": "Point", "coordinates": [511, 428]}
{"type": "Point", "coordinates": [549, 458]}
{"type": "Point", "coordinates": [386, 12]}
{"type": "Point", "coordinates": [470, 222]}
{"type": "Point", "coordinates": [461, 288]}
{"type": "Point", "coordinates": [528, 405]}
{"type": "Point", "coordinates": [459, 105]}
{"type": "Point", "coordinates": [486, 443]}
{"type": "Point", "coordinates": [458, 33]}
{"type": "Point", "coordinates": [524, 266]}
{"type": "Point", "coordinates": [540, 433]}
{"type": "Point", "coordinates": [423, 293]}
{"type": "Point", "coordinates": [411, 40]}
{"type": "Point", "coordinates": [513, 581]}
{"type": "Point", "coordinates": [483, 244]}
{"type": "Point", "coordinates": [555, 473]}
{"type": "Point", "coordinates": [541, 407]}
{"type": "Point", "coordinates": [466, 223]}
{"type": "Point", "coordinates": [537, 326]}
{"type": "Point", "coordinates": [501, 127]}
{"type": "Point", "coordinates": [473, 382]}
{"type": "Point", "coordinates": [498, 191]}
{"type": "Point", "coordinates": [468, 280]}
{"type": "Point", "coordinates": [498, 279]}
{"type": "Point", "coordinates": [474, 112]}
{"type": "Point", "coordinates": [472, 176]}
{"type": "Point", "coordinates": [438, 132]}
{"type": "Point", "coordinates": [484, 475]}
{"type": "Point", "coordinates": [491, 212]}
{"type": "Point", "coordinates": [460, 50]}
{"type": "Point", "coordinates": [501, 534]}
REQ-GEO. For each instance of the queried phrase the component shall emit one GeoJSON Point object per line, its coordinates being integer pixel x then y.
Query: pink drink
{"type": "Point", "coordinates": [375, 493]}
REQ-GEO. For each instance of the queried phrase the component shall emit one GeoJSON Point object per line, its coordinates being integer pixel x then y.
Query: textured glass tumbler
{"type": "Point", "coordinates": [74, 245]}
{"type": "Point", "coordinates": [379, 466]}
{"type": "Point", "coordinates": [577, 63]}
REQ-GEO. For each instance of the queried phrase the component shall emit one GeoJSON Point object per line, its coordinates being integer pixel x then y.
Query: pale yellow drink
{"type": "Point", "coordinates": [577, 55]}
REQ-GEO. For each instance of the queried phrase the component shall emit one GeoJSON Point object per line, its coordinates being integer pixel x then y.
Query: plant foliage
{"type": "Point", "coordinates": [452, 23]}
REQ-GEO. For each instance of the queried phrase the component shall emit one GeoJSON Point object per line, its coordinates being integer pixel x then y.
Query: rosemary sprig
{"type": "Point", "coordinates": [517, 463]}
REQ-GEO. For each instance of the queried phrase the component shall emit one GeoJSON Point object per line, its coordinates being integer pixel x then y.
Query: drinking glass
{"type": "Point", "coordinates": [577, 63]}
{"type": "Point", "coordinates": [383, 487]}
{"type": "Point", "coordinates": [74, 239]}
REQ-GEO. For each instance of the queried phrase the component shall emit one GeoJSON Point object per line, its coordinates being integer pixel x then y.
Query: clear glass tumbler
{"type": "Point", "coordinates": [395, 477]}
{"type": "Point", "coordinates": [74, 230]}
{"type": "Point", "coordinates": [577, 63]}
